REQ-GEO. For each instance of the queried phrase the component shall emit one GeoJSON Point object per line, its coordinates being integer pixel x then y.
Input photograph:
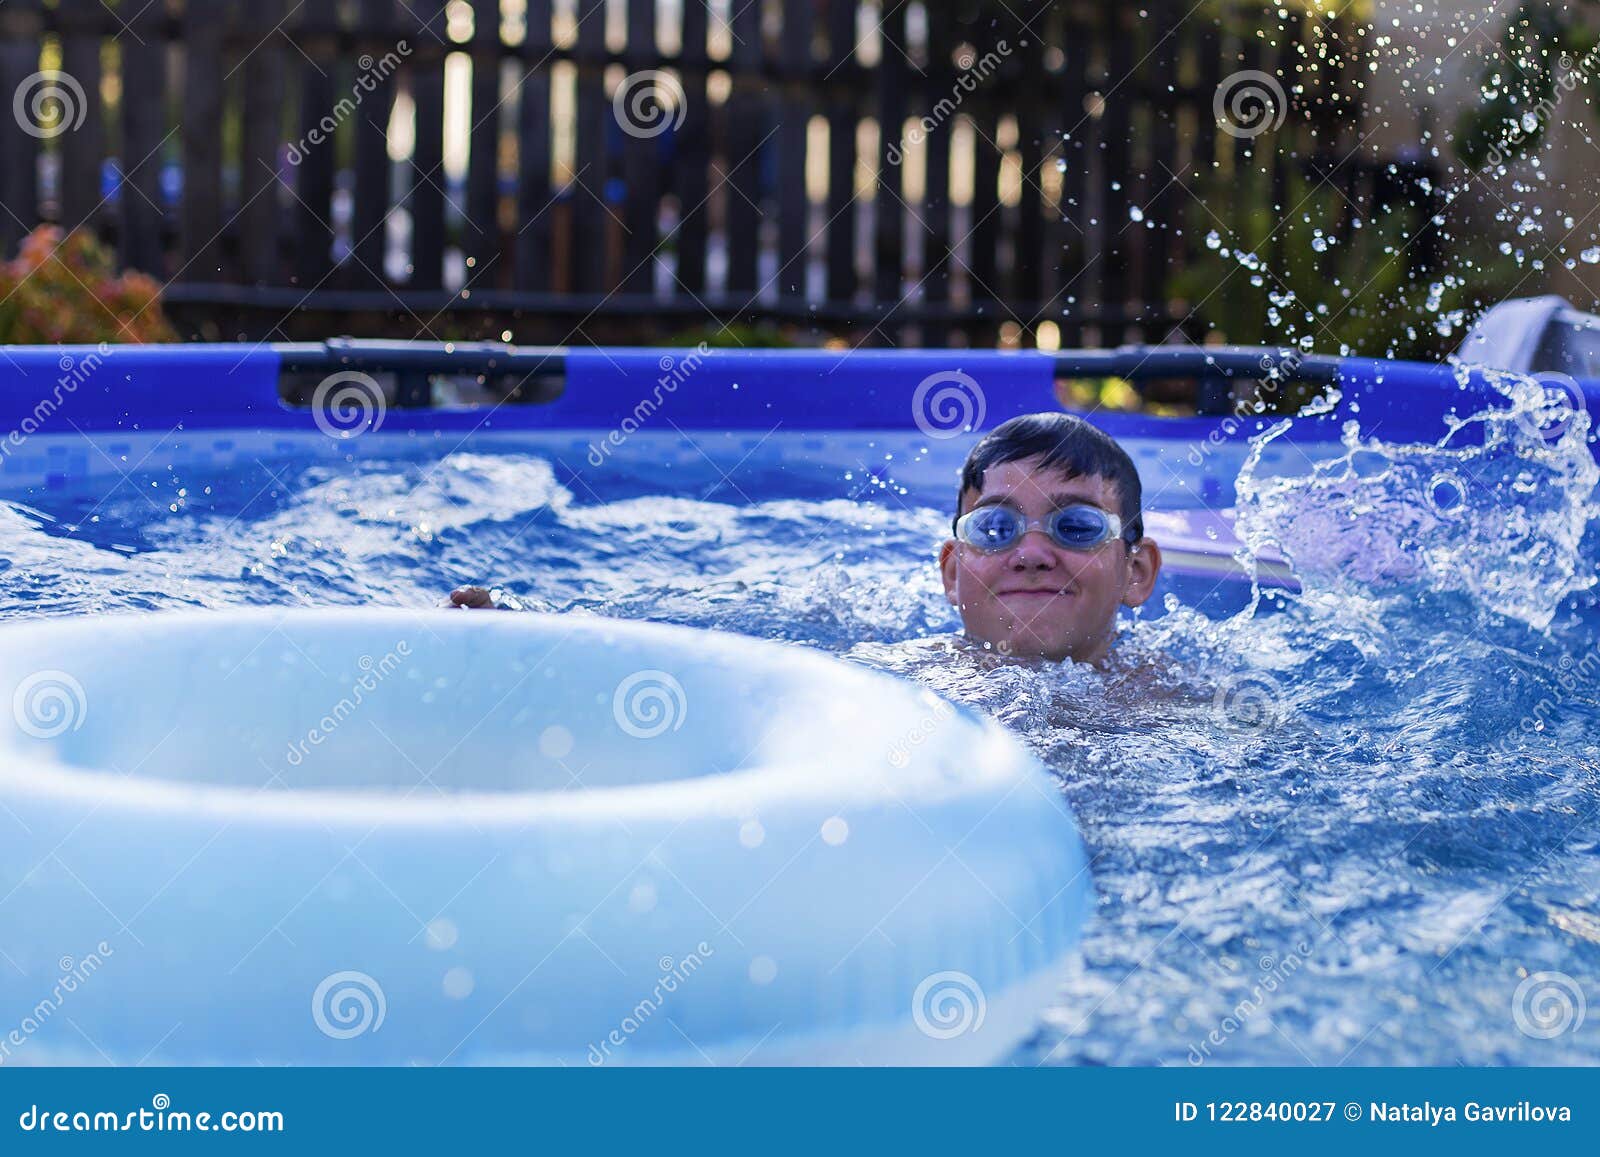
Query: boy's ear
{"type": "Point", "coordinates": [1144, 567]}
{"type": "Point", "coordinates": [947, 570]}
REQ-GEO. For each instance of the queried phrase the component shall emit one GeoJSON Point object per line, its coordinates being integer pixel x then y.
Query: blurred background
{"type": "Point", "coordinates": [1359, 177]}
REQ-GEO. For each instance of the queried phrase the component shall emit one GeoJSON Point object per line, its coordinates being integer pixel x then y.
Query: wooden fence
{"type": "Point", "coordinates": [575, 170]}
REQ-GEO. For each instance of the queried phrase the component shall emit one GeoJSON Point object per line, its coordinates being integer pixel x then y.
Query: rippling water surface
{"type": "Point", "coordinates": [1359, 825]}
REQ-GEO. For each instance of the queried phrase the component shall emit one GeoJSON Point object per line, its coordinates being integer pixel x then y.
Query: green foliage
{"type": "Point", "coordinates": [1517, 80]}
{"type": "Point", "coordinates": [1317, 273]}
{"type": "Point", "coordinates": [736, 336]}
{"type": "Point", "coordinates": [67, 290]}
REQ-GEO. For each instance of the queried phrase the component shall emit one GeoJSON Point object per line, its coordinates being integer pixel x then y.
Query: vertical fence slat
{"type": "Point", "coordinates": [427, 158]}
{"type": "Point", "coordinates": [590, 255]}
{"type": "Point", "coordinates": [19, 149]}
{"type": "Point", "coordinates": [1027, 282]}
{"type": "Point", "coordinates": [314, 171]}
{"type": "Point", "coordinates": [143, 74]}
{"type": "Point", "coordinates": [794, 69]}
{"type": "Point", "coordinates": [693, 154]}
{"type": "Point", "coordinates": [258, 161]}
{"type": "Point", "coordinates": [940, 85]}
{"type": "Point", "coordinates": [82, 150]}
{"type": "Point", "coordinates": [1160, 204]}
{"type": "Point", "coordinates": [203, 95]}
{"type": "Point", "coordinates": [480, 231]}
{"type": "Point", "coordinates": [1116, 125]}
{"type": "Point", "coordinates": [1074, 276]}
{"type": "Point", "coordinates": [746, 114]}
{"type": "Point", "coordinates": [370, 210]}
{"type": "Point", "coordinates": [889, 210]}
{"type": "Point", "coordinates": [533, 154]}
{"type": "Point", "coordinates": [984, 234]}
{"type": "Point", "coordinates": [1053, 122]}
{"type": "Point", "coordinates": [841, 151]}
{"type": "Point", "coordinates": [640, 163]}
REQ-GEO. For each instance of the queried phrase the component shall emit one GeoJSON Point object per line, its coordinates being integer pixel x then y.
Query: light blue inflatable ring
{"type": "Point", "coordinates": [392, 837]}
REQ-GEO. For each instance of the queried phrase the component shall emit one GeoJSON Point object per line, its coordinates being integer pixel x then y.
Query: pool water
{"type": "Point", "coordinates": [1359, 825]}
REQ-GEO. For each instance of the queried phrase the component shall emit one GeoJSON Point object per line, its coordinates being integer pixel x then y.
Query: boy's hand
{"type": "Point", "coordinates": [473, 598]}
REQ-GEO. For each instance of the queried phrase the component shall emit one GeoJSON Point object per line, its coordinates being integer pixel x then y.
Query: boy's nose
{"type": "Point", "coordinates": [1034, 549]}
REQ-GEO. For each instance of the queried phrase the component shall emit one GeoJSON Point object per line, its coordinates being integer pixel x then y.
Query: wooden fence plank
{"type": "Point", "coordinates": [842, 116]}
{"type": "Point", "coordinates": [263, 90]}
{"type": "Point", "coordinates": [534, 221]}
{"type": "Point", "coordinates": [1160, 201]}
{"type": "Point", "coordinates": [590, 254]}
{"type": "Point", "coordinates": [428, 178]}
{"type": "Point", "coordinates": [746, 115]}
{"type": "Point", "coordinates": [985, 232]}
{"type": "Point", "coordinates": [794, 113]}
{"type": "Point", "coordinates": [143, 142]}
{"type": "Point", "coordinates": [203, 96]}
{"type": "Point", "coordinates": [889, 210]}
{"type": "Point", "coordinates": [1116, 127]}
{"type": "Point", "coordinates": [693, 155]}
{"type": "Point", "coordinates": [937, 264]}
{"type": "Point", "coordinates": [373, 171]}
{"type": "Point", "coordinates": [480, 229]}
{"type": "Point", "coordinates": [83, 149]}
{"type": "Point", "coordinates": [19, 149]}
{"type": "Point", "coordinates": [641, 150]}
{"type": "Point", "coordinates": [1026, 43]}
{"type": "Point", "coordinates": [313, 176]}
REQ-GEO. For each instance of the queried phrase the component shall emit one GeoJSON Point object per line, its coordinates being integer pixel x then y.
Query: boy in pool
{"type": "Point", "coordinates": [1048, 541]}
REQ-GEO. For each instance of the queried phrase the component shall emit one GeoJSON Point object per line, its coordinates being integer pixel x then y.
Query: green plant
{"type": "Point", "coordinates": [1324, 279]}
{"type": "Point", "coordinates": [67, 290]}
{"type": "Point", "coordinates": [1519, 83]}
{"type": "Point", "coordinates": [735, 336]}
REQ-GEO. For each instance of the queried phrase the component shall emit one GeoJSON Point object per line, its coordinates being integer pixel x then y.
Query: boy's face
{"type": "Point", "coordinates": [1036, 599]}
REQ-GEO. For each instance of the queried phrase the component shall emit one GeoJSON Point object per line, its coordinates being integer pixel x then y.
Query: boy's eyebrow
{"type": "Point", "coordinates": [1057, 501]}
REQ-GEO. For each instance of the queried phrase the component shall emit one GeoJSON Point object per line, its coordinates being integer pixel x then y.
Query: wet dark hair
{"type": "Point", "coordinates": [1065, 443]}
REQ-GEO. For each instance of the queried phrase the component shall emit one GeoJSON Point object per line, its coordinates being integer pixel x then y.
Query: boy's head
{"type": "Point", "coordinates": [1023, 590]}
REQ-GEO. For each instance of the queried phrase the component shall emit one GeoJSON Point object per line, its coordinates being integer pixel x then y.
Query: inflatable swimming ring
{"type": "Point", "coordinates": [391, 837]}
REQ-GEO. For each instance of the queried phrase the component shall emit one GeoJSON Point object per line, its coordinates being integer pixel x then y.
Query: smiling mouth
{"type": "Point", "coordinates": [1032, 594]}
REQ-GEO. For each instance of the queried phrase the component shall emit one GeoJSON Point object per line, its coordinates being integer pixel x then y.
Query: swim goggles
{"type": "Point", "coordinates": [1071, 527]}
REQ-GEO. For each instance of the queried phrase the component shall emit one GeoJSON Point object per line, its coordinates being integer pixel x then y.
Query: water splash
{"type": "Point", "coordinates": [1497, 509]}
